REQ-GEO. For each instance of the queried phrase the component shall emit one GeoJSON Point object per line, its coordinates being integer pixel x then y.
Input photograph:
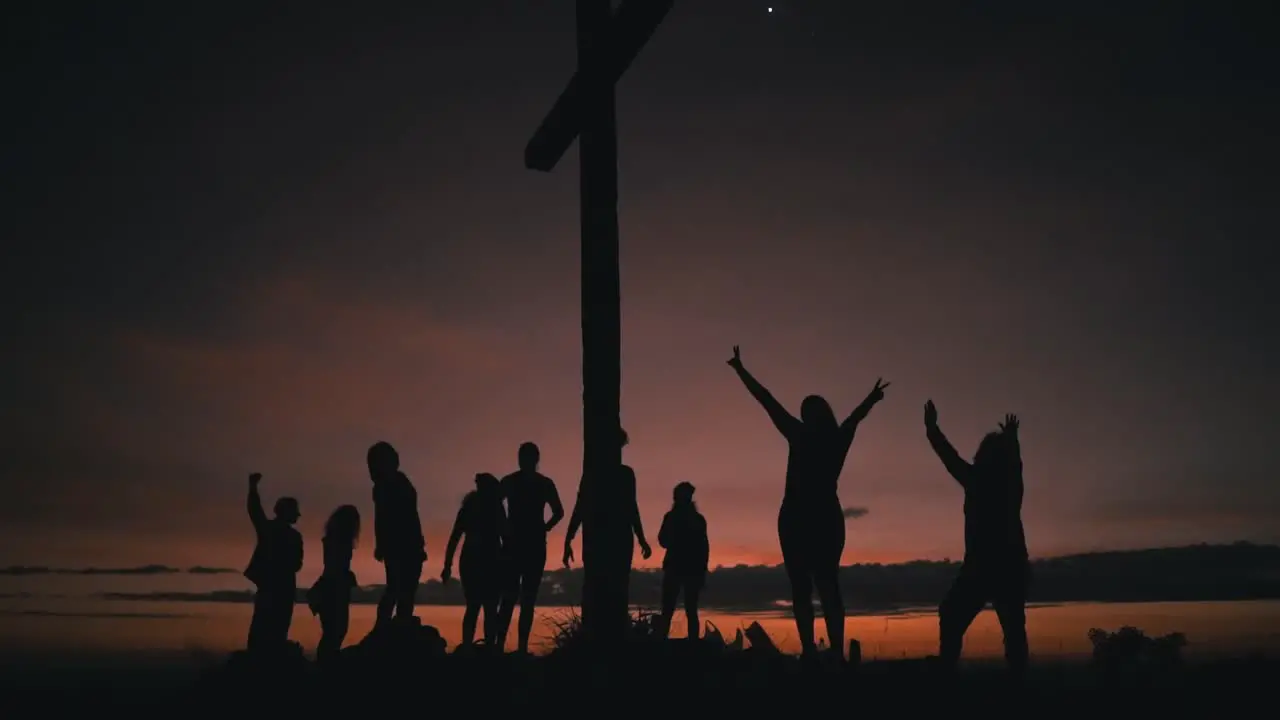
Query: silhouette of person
{"type": "Point", "coordinates": [627, 478]}
{"type": "Point", "coordinates": [811, 519]}
{"type": "Point", "coordinates": [684, 535]}
{"type": "Point", "coordinates": [996, 568]}
{"type": "Point", "coordinates": [484, 523]}
{"type": "Point", "coordinates": [273, 568]}
{"type": "Point", "coordinates": [528, 493]}
{"type": "Point", "coordinates": [330, 596]}
{"type": "Point", "coordinates": [397, 531]}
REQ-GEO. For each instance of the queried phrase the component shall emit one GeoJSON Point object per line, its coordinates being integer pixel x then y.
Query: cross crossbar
{"type": "Point", "coordinates": [631, 27]}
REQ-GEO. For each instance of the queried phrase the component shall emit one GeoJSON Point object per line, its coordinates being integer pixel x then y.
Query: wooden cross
{"type": "Point", "coordinates": [607, 43]}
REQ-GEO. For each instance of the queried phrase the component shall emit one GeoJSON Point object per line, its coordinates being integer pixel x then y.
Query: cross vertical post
{"type": "Point", "coordinates": [607, 43]}
{"type": "Point", "coordinates": [607, 573]}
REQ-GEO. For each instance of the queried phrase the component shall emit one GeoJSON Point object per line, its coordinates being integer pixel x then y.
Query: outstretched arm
{"type": "Point", "coordinates": [850, 424]}
{"type": "Point", "coordinates": [782, 419]}
{"type": "Point", "coordinates": [1010, 430]}
{"type": "Point", "coordinates": [557, 508]}
{"type": "Point", "coordinates": [951, 460]}
{"type": "Point", "coordinates": [575, 519]}
{"type": "Point", "coordinates": [637, 526]}
{"type": "Point", "coordinates": [254, 503]}
{"type": "Point", "coordinates": [459, 523]}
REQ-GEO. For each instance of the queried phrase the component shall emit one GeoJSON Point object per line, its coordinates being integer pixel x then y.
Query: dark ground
{"type": "Point", "coordinates": [653, 679]}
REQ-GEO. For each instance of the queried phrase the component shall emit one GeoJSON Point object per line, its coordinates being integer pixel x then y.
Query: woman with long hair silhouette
{"type": "Point", "coordinates": [811, 519]}
{"type": "Point", "coordinates": [484, 523]}
{"type": "Point", "coordinates": [330, 596]}
{"type": "Point", "coordinates": [684, 567]}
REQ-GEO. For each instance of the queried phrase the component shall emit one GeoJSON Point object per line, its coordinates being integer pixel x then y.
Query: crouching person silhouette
{"type": "Point", "coordinates": [482, 520]}
{"type": "Point", "coordinates": [330, 596]}
{"type": "Point", "coordinates": [684, 567]}
{"type": "Point", "coordinates": [277, 558]}
{"type": "Point", "coordinates": [996, 568]}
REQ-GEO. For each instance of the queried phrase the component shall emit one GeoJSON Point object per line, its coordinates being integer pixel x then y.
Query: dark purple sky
{"type": "Point", "coordinates": [243, 240]}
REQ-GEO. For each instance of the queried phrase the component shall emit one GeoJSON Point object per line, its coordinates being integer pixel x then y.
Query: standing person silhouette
{"type": "Point", "coordinates": [627, 477]}
{"type": "Point", "coordinates": [528, 493]}
{"type": "Point", "coordinates": [996, 567]}
{"type": "Point", "coordinates": [483, 521]}
{"type": "Point", "coordinates": [398, 541]}
{"type": "Point", "coordinates": [684, 535]}
{"type": "Point", "coordinates": [277, 558]}
{"type": "Point", "coordinates": [330, 596]}
{"type": "Point", "coordinates": [811, 519]}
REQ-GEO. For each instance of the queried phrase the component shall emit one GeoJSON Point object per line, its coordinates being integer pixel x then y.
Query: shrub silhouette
{"type": "Point", "coordinates": [1129, 649]}
{"type": "Point", "coordinates": [567, 633]}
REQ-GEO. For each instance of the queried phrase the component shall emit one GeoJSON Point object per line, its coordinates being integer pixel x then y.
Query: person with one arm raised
{"type": "Point", "coordinates": [277, 558]}
{"type": "Point", "coordinates": [811, 520]}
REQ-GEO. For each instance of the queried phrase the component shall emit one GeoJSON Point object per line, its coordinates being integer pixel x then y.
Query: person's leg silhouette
{"type": "Point", "coordinates": [509, 597]}
{"type": "Point", "coordinates": [530, 581]}
{"type": "Point", "coordinates": [260, 624]}
{"type": "Point", "coordinates": [335, 618]}
{"type": "Point", "coordinates": [407, 588]}
{"type": "Point", "coordinates": [692, 589]}
{"type": "Point", "coordinates": [795, 536]}
{"type": "Point", "coordinates": [827, 582]}
{"type": "Point", "coordinates": [491, 627]}
{"type": "Point", "coordinates": [471, 594]}
{"type": "Point", "coordinates": [670, 593]}
{"type": "Point", "coordinates": [802, 604]}
{"type": "Point", "coordinates": [387, 603]}
{"type": "Point", "coordinates": [956, 613]}
{"type": "Point", "coordinates": [1010, 602]}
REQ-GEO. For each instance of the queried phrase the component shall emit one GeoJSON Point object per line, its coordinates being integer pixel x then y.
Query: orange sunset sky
{"type": "Point", "coordinates": [263, 246]}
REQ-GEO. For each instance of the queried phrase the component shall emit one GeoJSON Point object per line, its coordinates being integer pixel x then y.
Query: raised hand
{"type": "Point", "coordinates": [877, 392]}
{"type": "Point", "coordinates": [254, 479]}
{"type": "Point", "coordinates": [735, 362]}
{"type": "Point", "coordinates": [1010, 424]}
{"type": "Point", "coordinates": [930, 414]}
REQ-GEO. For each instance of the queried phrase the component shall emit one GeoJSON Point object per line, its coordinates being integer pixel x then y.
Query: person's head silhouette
{"type": "Point", "coordinates": [383, 460]}
{"type": "Point", "coordinates": [682, 495]}
{"type": "Point", "coordinates": [486, 484]}
{"type": "Point", "coordinates": [343, 525]}
{"type": "Point", "coordinates": [286, 510]}
{"type": "Point", "coordinates": [990, 454]}
{"type": "Point", "coordinates": [816, 412]}
{"type": "Point", "coordinates": [529, 456]}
